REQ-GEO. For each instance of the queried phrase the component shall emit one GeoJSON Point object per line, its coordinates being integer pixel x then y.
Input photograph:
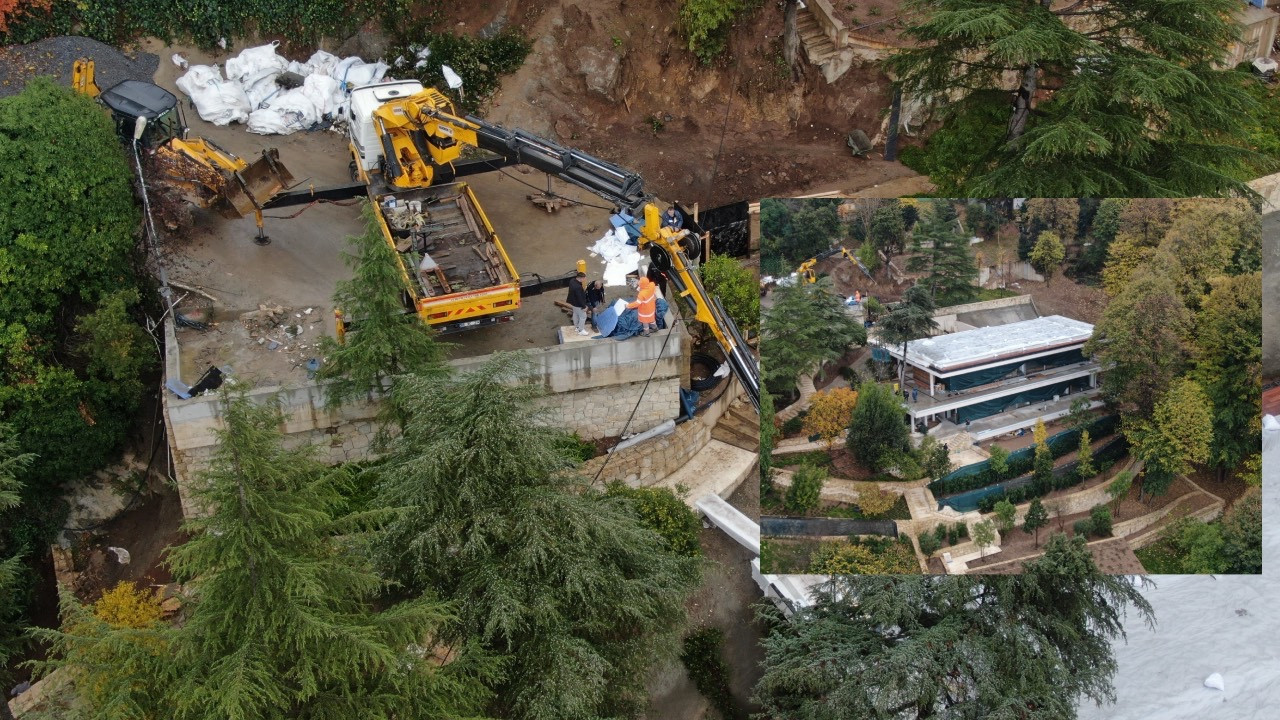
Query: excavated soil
{"type": "Point", "coordinates": [617, 80]}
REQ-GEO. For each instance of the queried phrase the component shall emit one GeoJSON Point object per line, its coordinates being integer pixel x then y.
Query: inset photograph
{"type": "Point", "coordinates": [948, 384]}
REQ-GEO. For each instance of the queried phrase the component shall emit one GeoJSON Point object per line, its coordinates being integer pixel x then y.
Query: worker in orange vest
{"type": "Point", "coordinates": [646, 305]}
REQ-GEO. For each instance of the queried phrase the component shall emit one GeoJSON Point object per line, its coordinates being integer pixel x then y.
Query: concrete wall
{"type": "Point", "coordinates": [946, 316]}
{"type": "Point", "coordinates": [656, 458]}
{"type": "Point", "coordinates": [592, 389]}
{"type": "Point", "coordinates": [1269, 188]}
{"type": "Point", "coordinates": [989, 275]}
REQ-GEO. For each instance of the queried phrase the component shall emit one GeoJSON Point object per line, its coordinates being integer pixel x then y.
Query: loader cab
{"type": "Point", "coordinates": [132, 99]}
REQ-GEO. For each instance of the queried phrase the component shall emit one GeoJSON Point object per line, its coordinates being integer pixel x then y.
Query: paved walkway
{"type": "Point", "coordinates": [806, 388]}
{"type": "Point", "coordinates": [717, 469]}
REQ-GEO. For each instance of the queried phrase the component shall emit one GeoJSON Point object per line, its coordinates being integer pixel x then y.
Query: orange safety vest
{"type": "Point", "coordinates": [646, 304]}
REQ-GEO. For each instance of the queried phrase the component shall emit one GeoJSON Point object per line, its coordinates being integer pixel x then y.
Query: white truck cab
{"type": "Point", "coordinates": [364, 101]}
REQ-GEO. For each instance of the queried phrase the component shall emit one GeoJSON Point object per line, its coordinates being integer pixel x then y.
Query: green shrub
{"type": "Point", "coordinates": [706, 24]}
{"type": "Point", "coordinates": [953, 537]}
{"type": "Point", "coordinates": [794, 426]}
{"type": "Point", "coordinates": [929, 544]}
{"type": "Point", "coordinates": [940, 532]}
{"type": "Point", "coordinates": [1082, 528]}
{"type": "Point", "coordinates": [575, 446]}
{"type": "Point", "coordinates": [962, 530]}
{"type": "Point", "coordinates": [481, 62]}
{"type": "Point", "coordinates": [805, 492]}
{"type": "Point", "coordinates": [1100, 520]}
{"type": "Point", "coordinates": [703, 659]}
{"type": "Point", "coordinates": [737, 289]}
{"type": "Point", "coordinates": [665, 513]}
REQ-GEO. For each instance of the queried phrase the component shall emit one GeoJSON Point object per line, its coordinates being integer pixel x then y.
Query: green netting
{"type": "Point", "coordinates": [981, 377]}
{"type": "Point", "coordinates": [996, 405]}
{"type": "Point", "coordinates": [1059, 443]}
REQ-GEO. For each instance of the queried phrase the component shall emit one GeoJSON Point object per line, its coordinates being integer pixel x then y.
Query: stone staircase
{"type": "Point", "coordinates": [739, 426]}
{"type": "Point", "coordinates": [816, 43]}
{"type": "Point", "coordinates": [832, 61]}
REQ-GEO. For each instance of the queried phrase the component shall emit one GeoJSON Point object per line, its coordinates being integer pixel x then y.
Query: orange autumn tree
{"type": "Point", "coordinates": [829, 414]}
{"type": "Point", "coordinates": [11, 10]}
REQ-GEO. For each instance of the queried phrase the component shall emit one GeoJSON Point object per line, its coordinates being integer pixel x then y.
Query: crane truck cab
{"type": "Point", "coordinates": [362, 131]}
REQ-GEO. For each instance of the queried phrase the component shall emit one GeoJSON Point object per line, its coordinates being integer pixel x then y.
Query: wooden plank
{"type": "Point", "coordinates": [466, 215]}
{"type": "Point", "coordinates": [487, 264]}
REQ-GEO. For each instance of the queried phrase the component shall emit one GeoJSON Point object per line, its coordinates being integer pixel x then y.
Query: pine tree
{"type": "Point", "coordinates": [877, 432]}
{"type": "Point", "coordinates": [385, 338]}
{"type": "Point", "coordinates": [963, 646]}
{"type": "Point", "coordinates": [1106, 224]}
{"type": "Point", "coordinates": [911, 319]}
{"type": "Point", "coordinates": [567, 586]}
{"type": "Point", "coordinates": [806, 326]}
{"type": "Point", "coordinates": [1037, 517]}
{"type": "Point", "coordinates": [1137, 109]}
{"type": "Point", "coordinates": [279, 618]}
{"type": "Point", "coordinates": [11, 464]}
{"type": "Point", "coordinates": [949, 267]}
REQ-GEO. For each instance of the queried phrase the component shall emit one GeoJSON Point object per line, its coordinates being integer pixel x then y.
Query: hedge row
{"type": "Point", "coordinates": [203, 21]}
{"type": "Point", "coordinates": [1064, 476]}
{"type": "Point", "coordinates": [980, 474]}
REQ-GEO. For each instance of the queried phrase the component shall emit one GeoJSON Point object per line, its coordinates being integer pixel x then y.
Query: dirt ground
{"type": "Point", "coordinates": [301, 267]}
{"type": "Point", "coordinates": [739, 130]}
{"type": "Point", "coordinates": [726, 600]}
{"type": "Point", "coordinates": [1060, 296]}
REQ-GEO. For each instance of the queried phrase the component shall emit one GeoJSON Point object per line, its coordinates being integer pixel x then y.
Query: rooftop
{"type": "Point", "coordinates": [947, 353]}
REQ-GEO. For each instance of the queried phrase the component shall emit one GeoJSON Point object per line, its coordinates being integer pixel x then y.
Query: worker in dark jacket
{"type": "Point", "coordinates": [672, 218]}
{"type": "Point", "coordinates": [578, 300]}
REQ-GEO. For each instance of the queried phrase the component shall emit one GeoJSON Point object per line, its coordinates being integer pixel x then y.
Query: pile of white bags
{"type": "Point", "coordinates": [249, 92]}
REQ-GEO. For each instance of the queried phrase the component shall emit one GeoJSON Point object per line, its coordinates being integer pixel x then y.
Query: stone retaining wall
{"type": "Point", "coordinates": [592, 389]}
{"type": "Point", "coordinates": [650, 461]}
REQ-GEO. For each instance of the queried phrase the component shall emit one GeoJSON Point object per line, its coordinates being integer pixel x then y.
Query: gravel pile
{"type": "Point", "coordinates": [54, 57]}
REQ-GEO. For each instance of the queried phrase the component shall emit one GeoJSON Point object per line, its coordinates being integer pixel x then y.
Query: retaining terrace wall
{"type": "Point", "coordinates": [592, 389]}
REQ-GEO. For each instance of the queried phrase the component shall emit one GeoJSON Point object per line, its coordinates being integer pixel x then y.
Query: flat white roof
{"type": "Point", "coordinates": [954, 351]}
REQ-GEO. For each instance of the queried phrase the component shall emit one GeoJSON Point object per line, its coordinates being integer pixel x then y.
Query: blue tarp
{"type": "Point", "coordinates": [628, 324]}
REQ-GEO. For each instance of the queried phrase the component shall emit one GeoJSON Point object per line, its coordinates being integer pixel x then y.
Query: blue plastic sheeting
{"type": "Point", "coordinates": [627, 325]}
{"type": "Point", "coordinates": [688, 402]}
{"type": "Point", "coordinates": [820, 527]}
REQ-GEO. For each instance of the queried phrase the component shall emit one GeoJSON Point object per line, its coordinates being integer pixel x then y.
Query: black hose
{"type": "Point", "coordinates": [711, 364]}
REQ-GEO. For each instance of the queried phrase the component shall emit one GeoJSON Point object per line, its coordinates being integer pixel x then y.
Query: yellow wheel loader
{"type": "Point", "coordinates": [204, 173]}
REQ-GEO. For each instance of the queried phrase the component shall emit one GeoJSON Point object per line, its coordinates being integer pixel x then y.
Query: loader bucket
{"type": "Point", "coordinates": [253, 186]}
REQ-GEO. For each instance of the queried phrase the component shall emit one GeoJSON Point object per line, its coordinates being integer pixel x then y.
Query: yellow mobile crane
{"type": "Point", "coordinates": [407, 143]}
{"type": "Point", "coordinates": [206, 174]}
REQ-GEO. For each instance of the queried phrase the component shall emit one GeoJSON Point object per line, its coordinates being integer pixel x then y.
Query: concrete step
{"type": "Point", "coordinates": [744, 414]}
{"type": "Point", "coordinates": [749, 432]}
{"type": "Point", "coordinates": [820, 49]}
{"type": "Point", "coordinates": [718, 469]}
{"type": "Point", "coordinates": [737, 439]}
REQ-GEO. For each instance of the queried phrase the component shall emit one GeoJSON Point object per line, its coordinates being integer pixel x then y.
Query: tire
{"type": "Point", "coordinates": [709, 362]}
{"type": "Point", "coordinates": [660, 258]}
{"type": "Point", "coordinates": [692, 247]}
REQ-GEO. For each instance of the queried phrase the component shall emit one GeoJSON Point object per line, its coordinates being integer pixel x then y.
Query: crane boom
{"type": "Point", "coordinates": [415, 135]}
